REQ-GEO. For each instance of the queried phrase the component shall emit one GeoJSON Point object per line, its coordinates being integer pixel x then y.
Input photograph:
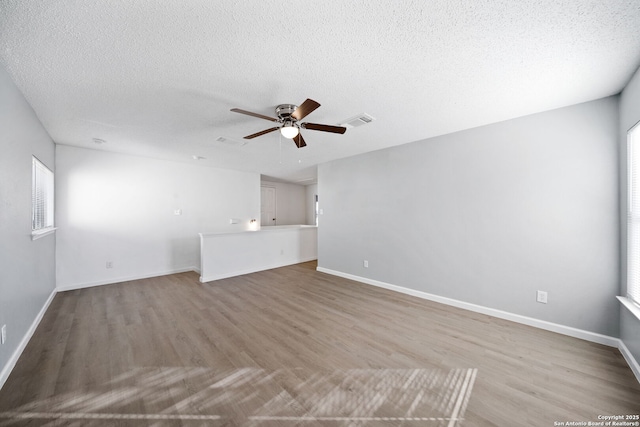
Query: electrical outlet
{"type": "Point", "coordinates": [365, 263]}
{"type": "Point", "coordinates": [109, 264]}
{"type": "Point", "coordinates": [541, 297]}
{"type": "Point", "coordinates": [177, 211]}
{"type": "Point", "coordinates": [3, 334]}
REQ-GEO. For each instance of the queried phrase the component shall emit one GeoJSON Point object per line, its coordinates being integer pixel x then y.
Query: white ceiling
{"type": "Point", "coordinates": [158, 78]}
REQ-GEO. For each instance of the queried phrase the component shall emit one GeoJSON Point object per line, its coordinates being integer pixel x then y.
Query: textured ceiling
{"type": "Point", "coordinates": [157, 78]}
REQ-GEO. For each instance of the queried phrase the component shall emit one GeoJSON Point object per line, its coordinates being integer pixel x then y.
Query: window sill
{"type": "Point", "coordinates": [631, 306]}
{"type": "Point", "coordinates": [35, 235]}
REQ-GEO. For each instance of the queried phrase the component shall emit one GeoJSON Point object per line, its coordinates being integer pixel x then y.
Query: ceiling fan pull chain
{"type": "Point", "coordinates": [280, 148]}
{"type": "Point", "coordinates": [289, 116]}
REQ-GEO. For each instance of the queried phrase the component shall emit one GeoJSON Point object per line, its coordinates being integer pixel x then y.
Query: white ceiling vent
{"type": "Point", "coordinates": [359, 120]}
{"type": "Point", "coordinates": [228, 141]}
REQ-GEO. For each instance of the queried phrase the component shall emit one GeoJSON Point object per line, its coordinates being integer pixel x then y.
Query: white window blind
{"type": "Point", "coordinates": [41, 196]}
{"type": "Point", "coordinates": [633, 215]}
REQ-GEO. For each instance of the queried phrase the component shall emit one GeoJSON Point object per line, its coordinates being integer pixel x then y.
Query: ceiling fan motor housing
{"type": "Point", "coordinates": [284, 111]}
{"type": "Point", "coordinates": [288, 124]}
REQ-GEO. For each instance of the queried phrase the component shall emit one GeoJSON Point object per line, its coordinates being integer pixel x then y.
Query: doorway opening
{"type": "Point", "coordinates": [267, 206]}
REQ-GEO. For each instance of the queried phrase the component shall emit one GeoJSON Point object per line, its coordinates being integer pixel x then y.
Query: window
{"type": "Point", "coordinates": [633, 215]}
{"type": "Point", "coordinates": [41, 199]}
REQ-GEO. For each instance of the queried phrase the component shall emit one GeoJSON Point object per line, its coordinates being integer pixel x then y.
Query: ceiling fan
{"type": "Point", "coordinates": [288, 120]}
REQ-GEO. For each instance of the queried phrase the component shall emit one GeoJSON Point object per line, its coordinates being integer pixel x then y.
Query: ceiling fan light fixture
{"type": "Point", "coordinates": [289, 131]}
{"type": "Point", "coordinates": [288, 121]}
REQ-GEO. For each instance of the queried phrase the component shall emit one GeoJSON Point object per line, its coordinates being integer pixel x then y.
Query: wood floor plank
{"type": "Point", "coordinates": [293, 346]}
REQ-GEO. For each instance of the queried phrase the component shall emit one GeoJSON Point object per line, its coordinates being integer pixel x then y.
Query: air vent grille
{"type": "Point", "coordinates": [359, 120]}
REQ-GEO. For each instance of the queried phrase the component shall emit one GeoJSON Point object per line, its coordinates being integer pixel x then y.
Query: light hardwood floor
{"type": "Point", "coordinates": [293, 346]}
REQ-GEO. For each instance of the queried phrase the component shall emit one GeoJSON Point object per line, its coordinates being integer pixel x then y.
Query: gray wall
{"type": "Point", "coordinates": [290, 202]}
{"type": "Point", "coordinates": [488, 216]}
{"type": "Point", "coordinates": [629, 116]}
{"type": "Point", "coordinates": [310, 196]}
{"type": "Point", "coordinates": [27, 268]}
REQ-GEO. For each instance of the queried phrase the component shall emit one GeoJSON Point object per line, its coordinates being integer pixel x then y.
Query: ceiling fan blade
{"type": "Point", "coordinates": [261, 133]}
{"type": "Point", "coordinates": [324, 128]}
{"type": "Point", "coordinates": [260, 116]}
{"type": "Point", "coordinates": [305, 109]}
{"type": "Point", "coordinates": [299, 140]}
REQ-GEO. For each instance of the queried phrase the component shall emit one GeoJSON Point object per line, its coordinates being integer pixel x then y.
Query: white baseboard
{"type": "Point", "coordinates": [213, 277]}
{"type": "Point", "coordinates": [124, 279]}
{"type": "Point", "coordinates": [631, 361]}
{"type": "Point", "coordinates": [11, 363]}
{"type": "Point", "coordinates": [541, 324]}
{"type": "Point", "coordinates": [565, 330]}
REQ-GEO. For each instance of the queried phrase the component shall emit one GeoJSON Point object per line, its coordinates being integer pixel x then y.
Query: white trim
{"type": "Point", "coordinates": [565, 330]}
{"type": "Point", "coordinates": [11, 363]}
{"type": "Point", "coordinates": [631, 361]}
{"type": "Point", "coordinates": [261, 229]}
{"type": "Point", "coordinates": [37, 234]}
{"type": "Point", "coordinates": [628, 356]}
{"type": "Point", "coordinates": [124, 279]}
{"type": "Point", "coordinates": [541, 324]}
{"type": "Point", "coordinates": [631, 306]}
{"type": "Point", "coordinates": [256, 269]}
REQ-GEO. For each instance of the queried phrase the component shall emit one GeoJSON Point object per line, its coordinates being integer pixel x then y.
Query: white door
{"type": "Point", "coordinates": [267, 206]}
